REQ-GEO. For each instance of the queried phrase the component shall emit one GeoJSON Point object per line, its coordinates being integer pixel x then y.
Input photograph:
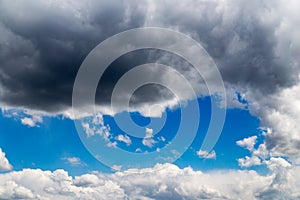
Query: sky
{"type": "Point", "coordinates": [149, 99]}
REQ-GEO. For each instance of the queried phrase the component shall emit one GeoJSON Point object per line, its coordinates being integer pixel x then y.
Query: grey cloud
{"type": "Point", "coordinates": [238, 36]}
{"type": "Point", "coordinates": [280, 112]}
{"type": "Point", "coordinates": [44, 44]}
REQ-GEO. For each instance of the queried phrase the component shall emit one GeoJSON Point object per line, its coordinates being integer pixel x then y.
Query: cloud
{"type": "Point", "coordinates": [87, 180]}
{"type": "Point", "coordinates": [38, 184]}
{"type": "Point", "coordinates": [95, 125]}
{"type": "Point", "coordinates": [28, 121]}
{"type": "Point", "coordinates": [124, 138]}
{"type": "Point", "coordinates": [24, 116]}
{"type": "Point", "coordinates": [88, 130]}
{"type": "Point", "coordinates": [33, 121]}
{"type": "Point", "coordinates": [261, 155]}
{"type": "Point", "coordinates": [277, 163]}
{"type": "Point", "coordinates": [148, 139]}
{"type": "Point", "coordinates": [4, 163]}
{"type": "Point", "coordinates": [165, 181]}
{"type": "Point", "coordinates": [206, 155]}
{"type": "Point", "coordinates": [280, 112]}
{"type": "Point", "coordinates": [248, 143]}
{"type": "Point", "coordinates": [49, 44]}
{"type": "Point", "coordinates": [249, 161]}
{"type": "Point", "coordinates": [112, 144]}
{"type": "Point", "coordinates": [234, 33]}
{"type": "Point", "coordinates": [75, 161]}
{"type": "Point", "coordinates": [116, 167]}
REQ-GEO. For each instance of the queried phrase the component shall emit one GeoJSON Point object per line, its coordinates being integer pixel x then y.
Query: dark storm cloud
{"type": "Point", "coordinates": [43, 44]}
{"type": "Point", "coordinates": [238, 37]}
{"type": "Point", "coordinates": [147, 94]}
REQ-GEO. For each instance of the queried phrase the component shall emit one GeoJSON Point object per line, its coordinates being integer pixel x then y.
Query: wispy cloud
{"type": "Point", "coordinates": [74, 161]}
{"type": "Point", "coordinates": [148, 140]}
{"type": "Point", "coordinates": [124, 138]}
{"type": "Point", "coordinates": [206, 155]}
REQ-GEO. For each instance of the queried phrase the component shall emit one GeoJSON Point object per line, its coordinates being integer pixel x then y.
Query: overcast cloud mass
{"type": "Point", "coordinates": [255, 45]}
{"type": "Point", "coordinates": [40, 54]}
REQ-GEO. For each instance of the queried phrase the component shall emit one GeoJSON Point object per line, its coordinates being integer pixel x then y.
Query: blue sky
{"type": "Point", "coordinates": [48, 145]}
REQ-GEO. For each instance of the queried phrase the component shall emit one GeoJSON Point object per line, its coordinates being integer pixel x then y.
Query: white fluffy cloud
{"type": "Point", "coordinates": [4, 163]}
{"type": "Point", "coordinates": [165, 181]}
{"type": "Point", "coordinates": [248, 143]}
{"type": "Point", "coordinates": [249, 161]}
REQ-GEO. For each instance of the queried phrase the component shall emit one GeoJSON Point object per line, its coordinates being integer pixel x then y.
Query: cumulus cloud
{"type": "Point", "coordinates": [248, 143]}
{"type": "Point", "coordinates": [261, 151]}
{"type": "Point", "coordinates": [277, 163]}
{"type": "Point", "coordinates": [249, 161]}
{"type": "Point", "coordinates": [279, 112]}
{"type": "Point", "coordinates": [165, 181]}
{"type": "Point", "coordinates": [261, 155]}
{"type": "Point", "coordinates": [4, 163]}
{"type": "Point", "coordinates": [38, 184]}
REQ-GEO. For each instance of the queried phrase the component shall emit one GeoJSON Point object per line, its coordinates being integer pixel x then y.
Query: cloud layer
{"type": "Point", "coordinates": [40, 55]}
{"type": "Point", "coordinates": [160, 182]}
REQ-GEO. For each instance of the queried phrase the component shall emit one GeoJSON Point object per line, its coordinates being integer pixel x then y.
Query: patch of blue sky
{"type": "Point", "coordinates": [56, 138]}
